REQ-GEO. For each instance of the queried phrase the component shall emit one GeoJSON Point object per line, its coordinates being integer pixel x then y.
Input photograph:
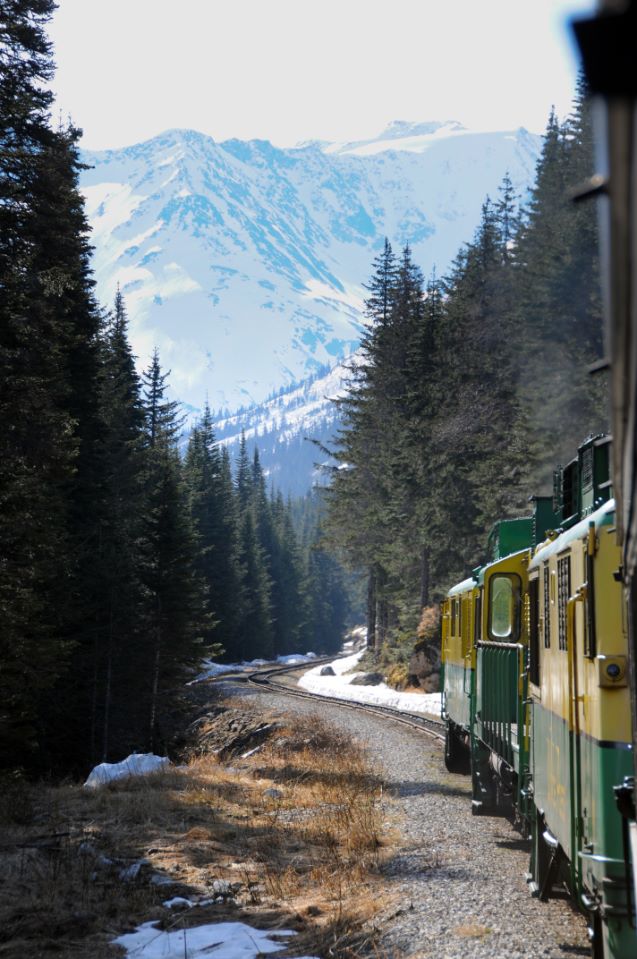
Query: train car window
{"type": "Point", "coordinates": [459, 602]}
{"type": "Point", "coordinates": [563, 593]}
{"type": "Point", "coordinates": [534, 631]}
{"type": "Point", "coordinates": [453, 617]}
{"type": "Point", "coordinates": [546, 606]}
{"type": "Point", "coordinates": [504, 608]}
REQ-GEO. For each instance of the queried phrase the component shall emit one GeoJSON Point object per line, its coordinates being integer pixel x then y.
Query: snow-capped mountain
{"type": "Point", "coordinates": [287, 427]}
{"type": "Point", "coordinates": [245, 263]}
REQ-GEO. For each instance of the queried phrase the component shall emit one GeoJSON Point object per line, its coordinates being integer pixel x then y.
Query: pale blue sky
{"type": "Point", "coordinates": [289, 70]}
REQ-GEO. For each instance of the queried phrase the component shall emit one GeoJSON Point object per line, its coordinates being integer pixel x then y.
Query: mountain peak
{"type": "Point", "coordinates": [398, 129]}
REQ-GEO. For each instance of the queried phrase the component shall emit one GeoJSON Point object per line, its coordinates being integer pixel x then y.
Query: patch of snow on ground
{"type": "Point", "coordinates": [226, 940]}
{"type": "Point", "coordinates": [211, 668]}
{"type": "Point", "coordinates": [178, 902]}
{"type": "Point", "coordinates": [295, 658]}
{"type": "Point", "coordinates": [137, 764]}
{"type": "Point", "coordinates": [381, 695]}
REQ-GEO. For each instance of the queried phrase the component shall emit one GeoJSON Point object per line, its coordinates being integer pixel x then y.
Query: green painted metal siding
{"type": "Point", "coordinates": [499, 709]}
{"type": "Point", "coordinates": [510, 536]}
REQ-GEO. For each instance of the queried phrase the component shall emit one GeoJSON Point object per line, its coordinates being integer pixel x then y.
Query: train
{"type": "Point", "coordinates": [540, 644]}
{"type": "Point", "coordinates": [536, 698]}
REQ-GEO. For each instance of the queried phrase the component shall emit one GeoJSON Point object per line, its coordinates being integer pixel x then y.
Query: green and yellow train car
{"type": "Point", "coordinates": [580, 725]}
{"type": "Point", "coordinates": [535, 680]}
{"type": "Point", "coordinates": [499, 729]}
{"type": "Point", "coordinates": [475, 616]}
{"type": "Point", "coordinates": [460, 612]}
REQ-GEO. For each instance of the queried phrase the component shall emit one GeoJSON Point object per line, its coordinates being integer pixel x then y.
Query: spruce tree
{"type": "Point", "coordinates": [175, 594]}
{"type": "Point", "coordinates": [117, 712]}
{"type": "Point", "coordinates": [48, 352]}
{"type": "Point", "coordinates": [214, 516]}
{"type": "Point", "coordinates": [256, 635]}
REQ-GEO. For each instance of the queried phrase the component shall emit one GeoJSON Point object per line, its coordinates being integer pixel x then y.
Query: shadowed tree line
{"type": "Point", "coordinates": [121, 561]}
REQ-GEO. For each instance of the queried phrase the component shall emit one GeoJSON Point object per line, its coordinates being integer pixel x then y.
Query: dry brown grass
{"type": "Point", "coordinates": [307, 858]}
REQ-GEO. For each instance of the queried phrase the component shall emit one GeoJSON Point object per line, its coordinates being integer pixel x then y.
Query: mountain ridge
{"type": "Point", "coordinates": [245, 262]}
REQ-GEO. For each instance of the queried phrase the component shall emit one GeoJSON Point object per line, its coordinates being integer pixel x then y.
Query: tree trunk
{"type": "Point", "coordinates": [382, 609]}
{"type": "Point", "coordinates": [371, 608]}
{"type": "Point", "coordinates": [382, 623]}
{"type": "Point", "coordinates": [424, 577]}
{"type": "Point", "coordinates": [153, 700]}
{"type": "Point", "coordinates": [107, 692]}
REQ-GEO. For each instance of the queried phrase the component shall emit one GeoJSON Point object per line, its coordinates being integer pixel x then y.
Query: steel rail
{"type": "Point", "coordinates": [263, 679]}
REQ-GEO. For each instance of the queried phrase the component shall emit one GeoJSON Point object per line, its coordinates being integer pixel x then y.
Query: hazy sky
{"type": "Point", "coordinates": [289, 70]}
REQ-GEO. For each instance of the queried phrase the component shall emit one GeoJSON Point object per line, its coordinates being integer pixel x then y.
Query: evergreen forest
{"type": "Point", "coordinates": [125, 556]}
{"type": "Point", "coordinates": [129, 550]}
{"type": "Point", "coordinates": [471, 387]}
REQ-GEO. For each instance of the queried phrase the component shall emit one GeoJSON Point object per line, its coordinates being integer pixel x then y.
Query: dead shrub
{"type": "Point", "coordinates": [398, 676]}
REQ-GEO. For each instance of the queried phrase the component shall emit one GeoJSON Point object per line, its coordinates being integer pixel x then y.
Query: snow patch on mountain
{"type": "Point", "coordinates": [292, 429]}
{"type": "Point", "coordinates": [244, 263]}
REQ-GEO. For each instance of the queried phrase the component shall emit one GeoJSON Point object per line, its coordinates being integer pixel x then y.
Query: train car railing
{"type": "Point", "coordinates": [499, 700]}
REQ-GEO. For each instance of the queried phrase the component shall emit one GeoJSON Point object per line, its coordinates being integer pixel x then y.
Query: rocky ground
{"type": "Point", "coordinates": [455, 887]}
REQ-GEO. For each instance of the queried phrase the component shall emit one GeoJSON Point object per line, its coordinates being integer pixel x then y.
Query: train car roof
{"type": "Point", "coordinates": [463, 587]}
{"type": "Point", "coordinates": [500, 562]}
{"type": "Point", "coordinates": [604, 516]}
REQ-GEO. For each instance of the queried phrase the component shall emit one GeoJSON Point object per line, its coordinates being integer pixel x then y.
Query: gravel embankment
{"type": "Point", "coordinates": [457, 884]}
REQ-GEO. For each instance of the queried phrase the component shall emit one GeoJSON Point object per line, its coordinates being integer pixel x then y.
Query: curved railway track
{"type": "Point", "coordinates": [431, 727]}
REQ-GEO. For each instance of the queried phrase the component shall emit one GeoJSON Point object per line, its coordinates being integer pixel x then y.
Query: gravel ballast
{"type": "Point", "coordinates": [456, 883]}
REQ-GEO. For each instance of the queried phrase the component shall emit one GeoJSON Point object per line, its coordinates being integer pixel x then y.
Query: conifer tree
{"type": "Point", "coordinates": [558, 296]}
{"type": "Point", "coordinates": [244, 481]}
{"type": "Point", "coordinates": [214, 515]}
{"type": "Point", "coordinates": [256, 636]}
{"type": "Point", "coordinates": [47, 354]}
{"type": "Point", "coordinates": [176, 608]}
{"type": "Point", "coordinates": [120, 622]}
{"type": "Point", "coordinates": [288, 597]}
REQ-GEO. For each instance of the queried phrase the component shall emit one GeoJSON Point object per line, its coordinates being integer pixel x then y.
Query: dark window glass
{"type": "Point", "coordinates": [563, 593]}
{"type": "Point", "coordinates": [534, 631]}
{"type": "Point", "coordinates": [478, 613]}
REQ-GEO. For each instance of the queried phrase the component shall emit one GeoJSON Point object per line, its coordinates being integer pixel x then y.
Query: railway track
{"type": "Point", "coordinates": [264, 679]}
